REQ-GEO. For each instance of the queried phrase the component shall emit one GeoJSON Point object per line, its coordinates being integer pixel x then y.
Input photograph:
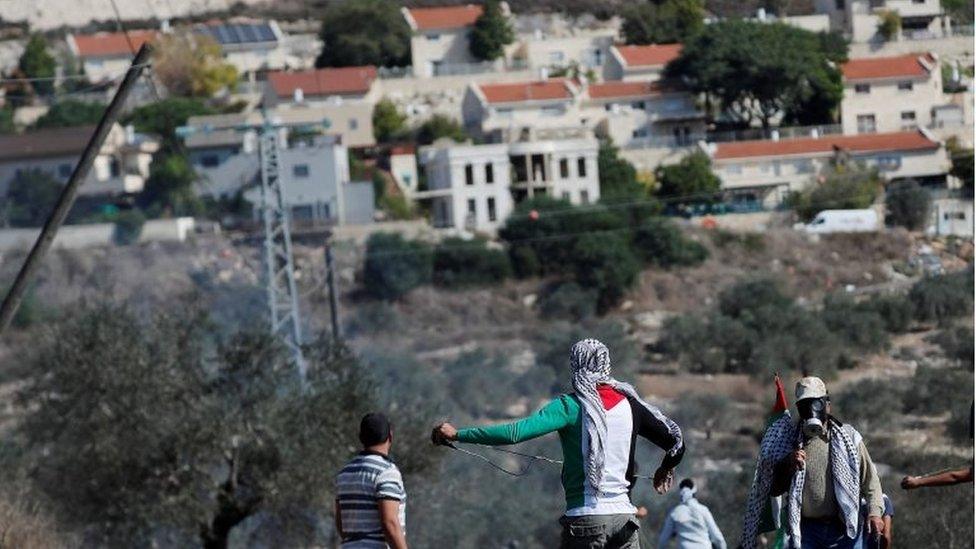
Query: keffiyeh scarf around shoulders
{"type": "Point", "coordinates": [782, 438]}
{"type": "Point", "coordinates": [590, 360]}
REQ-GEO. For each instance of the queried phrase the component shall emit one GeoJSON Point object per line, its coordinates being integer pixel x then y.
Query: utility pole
{"type": "Point", "coordinates": [333, 295]}
{"type": "Point", "coordinates": [67, 199]}
{"type": "Point", "coordinates": [278, 258]}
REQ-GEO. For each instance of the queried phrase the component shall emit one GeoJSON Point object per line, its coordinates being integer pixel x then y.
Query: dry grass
{"type": "Point", "coordinates": [24, 525]}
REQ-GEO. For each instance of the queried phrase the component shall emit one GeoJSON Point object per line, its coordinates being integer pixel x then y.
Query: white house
{"type": "Point", "coordinates": [764, 172]}
{"type": "Point", "coordinates": [951, 216]}
{"type": "Point", "coordinates": [889, 94]}
{"type": "Point", "coordinates": [120, 168]}
{"type": "Point", "coordinates": [645, 113]}
{"type": "Point", "coordinates": [554, 41]}
{"type": "Point", "coordinates": [640, 62]}
{"type": "Point", "coordinates": [251, 46]}
{"type": "Point", "coordinates": [107, 55]}
{"type": "Point", "coordinates": [858, 19]}
{"type": "Point", "coordinates": [322, 86]}
{"type": "Point", "coordinates": [440, 37]}
{"type": "Point", "coordinates": [507, 111]}
{"type": "Point", "coordinates": [476, 187]}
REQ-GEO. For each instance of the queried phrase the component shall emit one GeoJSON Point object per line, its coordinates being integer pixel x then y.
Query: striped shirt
{"type": "Point", "coordinates": [365, 480]}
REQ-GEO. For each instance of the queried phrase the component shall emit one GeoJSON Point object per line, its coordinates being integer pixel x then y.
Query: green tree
{"type": "Point", "coordinates": [7, 119]}
{"type": "Point", "coordinates": [618, 178]}
{"type": "Point", "coordinates": [128, 226]}
{"type": "Point", "coordinates": [839, 187]}
{"type": "Point", "coordinates": [459, 262]}
{"type": "Point", "coordinates": [662, 22]}
{"type": "Point", "coordinates": [758, 72]}
{"type": "Point", "coordinates": [365, 32]}
{"type": "Point", "coordinates": [659, 242]}
{"type": "Point", "coordinates": [163, 117]}
{"type": "Point", "coordinates": [394, 266]}
{"type": "Point", "coordinates": [71, 112]}
{"type": "Point", "coordinates": [889, 24]}
{"type": "Point", "coordinates": [690, 180]}
{"type": "Point", "coordinates": [491, 33]}
{"type": "Point", "coordinates": [31, 198]}
{"type": "Point", "coordinates": [170, 187]}
{"type": "Point", "coordinates": [37, 62]}
{"type": "Point", "coordinates": [962, 167]}
{"type": "Point", "coordinates": [907, 205]}
{"type": "Point", "coordinates": [192, 65]}
{"type": "Point", "coordinates": [439, 126]}
{"type": "Point", "coordinates": [605, 263]}
{"type": "Point", "coordinates": [389, 124]}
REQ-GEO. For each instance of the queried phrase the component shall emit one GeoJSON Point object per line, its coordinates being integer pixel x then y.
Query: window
{"type": "Point", "coordinates": [865, 123]}
{"type": "Point", "coordinates": [888, 163]}
{"type": "Point", "coordinates": [565, 196]}
{"type": "Point", "coordinates": [300, 170]}
{"type": "Point", "coordinates": [64, 170]}
{"type": "Point", "coordinates": [905, 86]}
{"type": "Point", "coordinates": [433, 37]}
{"type": "Point", "coordinates": [564, 168]}
{"type": "Point", "coordinates": [353, 124]}
{"type": "Point", "coordinates": [552, 111]}
{"type": "Point", "coordinates": [637, 105]}
{"type": "Point", "coordinates": [489, 173]}
{"type": "Point", "coordinates": [839, 4]}
{"type": "Point", "coordinates": [209, 161]}
{"type": "Point", "coordinates": [862, 88]}
{"type": "Point", "coordinates": [734, 169]}
{"type": "Point", "coordinates": [908, 116]}
{"type": "Point", "coordinates": [504, 113]}
{"type": "Point", "coordinates": [115, 167]}
{"type": "Point", "coordinates": [584, 197]}
{"type": "Point", "coordinates": [469, 175]}
{"type": "Point", "coordinates": [581, 167]}
{"type": "Point", "coordinates": [492, 216]}
{"type": "Point", "coordinates": [638, 133]}
{"type": "Point", "coordinates": [472, 208]}
{"type": "Point", "coordinates": [948, 216]}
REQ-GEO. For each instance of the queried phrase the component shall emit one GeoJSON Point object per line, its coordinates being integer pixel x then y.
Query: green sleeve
{"type": "Point", "coordinates": [552, 417]}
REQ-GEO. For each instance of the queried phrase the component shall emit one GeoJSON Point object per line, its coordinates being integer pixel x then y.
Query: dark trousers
{"type": "Point", "coordinates": [600, 532]}
{"type": "Point", "coordinates": [817, 534]}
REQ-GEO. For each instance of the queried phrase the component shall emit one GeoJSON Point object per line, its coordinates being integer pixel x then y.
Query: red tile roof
{"type": "Point", "coordinates": [445, 18]}
{"type": "Point", "coordinates": [909, 65]}
{"type": "Point", "coordinates": [338, 81]}
{"type": "Point", "coordinates": [542, 90]}
{"type": "Point", "coordinates": [653, 55]}
{"type": "Point", "coordinates": [108, 44]}
{"type": "Point", "coordinates": [873, 142]}
{"type": "Point", "coordinates": [608, 90]}
{"type": "Point", "coordinates": [402, 149]}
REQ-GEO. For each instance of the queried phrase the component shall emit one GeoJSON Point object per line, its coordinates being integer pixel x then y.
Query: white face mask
{"type": "Point", "coordinates": [813, 412]}
{"type": "Point", "coordinates": [813, 427]}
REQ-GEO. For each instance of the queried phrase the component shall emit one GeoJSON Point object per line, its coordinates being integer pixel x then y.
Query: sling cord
{"type": "Point", "coordinates": [533, 458]}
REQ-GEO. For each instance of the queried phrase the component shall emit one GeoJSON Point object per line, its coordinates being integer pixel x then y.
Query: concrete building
{"type": "Point", "coordinates": [403, 167]}
{"type": "Point", "coordinates": [951, 216]}
{"type": "Point", "coordinates": [764, 172]}
{"type": "Point", "coordinates": [890, 94]}
{"type": "Point", "coordinates": [251, 46]}
{"type": "Point", "coordinates": [858, 19]}
{"type": "Point", "coordinates": [640, 62]}
{"type": "Point", "coordinates": [120, 168]}
{"type": "Point", "coordinates": [505, 112]}
{"type": "Point", "coordinates": [476, 187]}
{"type": "Point", "coordinates": [555, 41]}
{"type": "Point", "coordinates": [644, 113]}
{"type": "Point", "coordinates": [322, 86]}
{"type": "Point", "coordinates": [440, 38]}
{"type": "Point", "coordinates": [107, 55]}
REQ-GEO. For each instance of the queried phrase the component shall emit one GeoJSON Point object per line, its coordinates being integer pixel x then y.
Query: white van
{"type": "Point", "coordinates": [843, 221]}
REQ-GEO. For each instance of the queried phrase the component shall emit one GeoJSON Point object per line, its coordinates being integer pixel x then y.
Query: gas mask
{"type": "Point", "coordinates": [813, 416]}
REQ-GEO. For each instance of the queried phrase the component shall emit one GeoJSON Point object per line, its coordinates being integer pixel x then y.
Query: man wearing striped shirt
{"type": "Point", "coordinates": [370, 498]}
{"type": "Point", "coordinates": [598, 425]}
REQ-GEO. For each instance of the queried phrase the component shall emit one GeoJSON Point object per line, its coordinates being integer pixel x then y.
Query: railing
{"type": "Point", "coordinates": [460, 69]}
{"type": "Point", "coordinates": [395, 72]}
{"type": "Point", "coordinates": [663, 142]}
{"type": "Point", "coordinates": [961, 30]}
{"type": "Point", "coordinates": [792, 132]}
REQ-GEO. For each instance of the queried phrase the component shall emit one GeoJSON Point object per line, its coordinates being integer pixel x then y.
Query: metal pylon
{"type": "Point", "coordinates": [279, 265]}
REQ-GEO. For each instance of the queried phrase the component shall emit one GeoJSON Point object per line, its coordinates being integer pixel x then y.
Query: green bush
{"type": "Point", "coordinates": [859, 327]}
{"type": "Point", "coordinates": [940, 298]}
{"type": "Point", "coordinates": [960, 425]}
{"type": "Point", "coordinates": [705, 411]}
{"type": "Point", "coordinates": [889, 25]}
{"type": "Point", "coordinates": [394, 266]}
{"type": "Point", "coordinates": [372, 318]}
{"type": "Point", "coordinates": [659, 242]}
{"type": "Point", "coordinates": [128, 226]}
{"type": "Point", "coordinates": [938, 390]}
{"type": "Point", "coordinates": [606, 264]}
{"type": "Point", "coordinates": [525, 262]}
{"type": "Point", "coordinates": [870, 404]}
{"type": "Point", "coordinates": [895, 310]}
{"type": "Point", "coordinates": [842, 187]}
{"type": "Point", "coordinates": [459, 262]}
{"type": "Point", "coordinates": [957, 344]}
{"type": "Point", "coordinates": [753, 242]}
{"type": "Point", "coordinates": [907, 205]}
{"type": "Point", "coordinates": [568, 301]}
{"type": "Point", "coordinates": [752, 294]}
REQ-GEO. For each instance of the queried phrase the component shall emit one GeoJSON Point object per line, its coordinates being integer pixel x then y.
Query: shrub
{"type": "Point", "coordinates": [606, 264]}
{"type": "Point", "coordinates": [940, 298]}
{"type": "Point", "coordinates": [753, 242]}
{"type": "Point", "coordinates": [859, 327]}
{"type": "Point", "coordinates": [395, 266]}
{"type": "Point", "coordinates": [525, 262]}
{"type": "Point", "coordinates": [869, 404]}
{"type": "Point", "coordinates": [889, 25]}
{"type": "Point", "coordinates": [895, 310]}
{"type": "Point", "coordinates": [659, 242]}
{"type": "Point", "coordinates": [907, 205]}
{"type": "Point", "coordinates": [752, 294]}
{"type": "Point", "coordinates": [706, 411]}
{"type": "Point", "coordinates": [938, 390]}
{"type": "Point", "coordinates": [957, 344]}
{"type": "Point", "coordinates": [372, 318]}
{"type": "Point", "coordinates": [439, 126]}
{"type": "Point", "coordinates": [459, 262]}
{"type": "Point", "coordinates": [569, 301]}
{"type": "Point", "coordinates": [960, 424]}
{"type": "Point", "coordinates": [691, 180]}
{"type": "Point", "coordinates": [128, 226]}
{"type": "Point", "coordinates": [842, 187]}
{"type": "Point", "coordinates": [388, 122]}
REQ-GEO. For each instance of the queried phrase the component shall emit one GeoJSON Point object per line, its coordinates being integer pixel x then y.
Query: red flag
{"type": "Point", "coordinates": [780, 405]}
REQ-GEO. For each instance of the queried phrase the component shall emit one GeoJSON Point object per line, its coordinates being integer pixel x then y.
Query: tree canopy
{"type": "Point", "coordinates": [662, 22]}
{"type": "Point", "coordinates": [192, 65]}
{"type": "Point", "coordinates": [71, 112]}
{"type": "Point", "coordinates": [388, 122]}
{"type": "Point", "coordinates": [757, 72]}
{"type": "Point", "coordinates": [170, 187]}
{"type": "Point", "coordinates": [841, 186]}
{"type": "Point", "coordinates": [37, 62]}
{"type": "Point", "coordinates": [690, 180]}
{"type": "Point", "coordinates": [491, 33]}
{"type": "Point", "coordinates": [439, 126]}
{"type": "Point", "coordinates": [365, 32]}
{"type": "Point", "coordinates": [163, 117]}
{"type": "Point", "coordinates": [907, 205]}
{"type": "Point", "coordinates": [31, 198]}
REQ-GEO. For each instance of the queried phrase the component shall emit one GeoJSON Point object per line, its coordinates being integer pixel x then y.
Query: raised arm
{"type": "Point", "coordinates": [942, 478]}
{"type": "Point", "coordinates": [555, 415]}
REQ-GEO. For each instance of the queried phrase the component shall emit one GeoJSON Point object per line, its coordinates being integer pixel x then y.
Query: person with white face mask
{"type": "Point", "coordinates": [826, 476]}
{"type": "Point", "coordinates": [690, 523]}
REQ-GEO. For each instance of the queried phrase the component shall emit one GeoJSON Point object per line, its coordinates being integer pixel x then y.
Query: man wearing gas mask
{"type": "Point", "coordinates": [826, 476]}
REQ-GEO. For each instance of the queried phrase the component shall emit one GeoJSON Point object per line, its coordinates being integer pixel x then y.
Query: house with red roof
{"type": "Point", "coordinates": [439, 37]}
{"type": "Point", "coordinates": [764, 172]}
{"type": "Point", "coordinates": [889, 94]}
{"type": "Point", "coordinates": [645, 113]}
{"type": "Point", "coordinates": [502, 111]}
{"type": "Point", "coordinates": [107, 55]}
{"type": "Point", "coordinates": [322, 85]}
{"type": "Point", "coordinates": [644, 62]}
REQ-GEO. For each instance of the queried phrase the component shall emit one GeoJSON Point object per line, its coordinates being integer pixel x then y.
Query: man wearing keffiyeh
{"type": "Point", "coordinates": [597, 424]}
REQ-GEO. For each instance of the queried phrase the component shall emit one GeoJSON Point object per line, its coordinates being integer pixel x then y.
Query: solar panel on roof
{"type": "Point", "coordinates": [241, 33]}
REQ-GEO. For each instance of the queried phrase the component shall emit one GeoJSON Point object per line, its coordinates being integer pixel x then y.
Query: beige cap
{"type": "Point", "coordinates": [810, 387]}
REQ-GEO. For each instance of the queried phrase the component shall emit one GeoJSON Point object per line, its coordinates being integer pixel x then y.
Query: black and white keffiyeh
{"type": "Point", "coordinates": [783, 437]}
{"type": "Point", "coordinates": [590, 360]}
